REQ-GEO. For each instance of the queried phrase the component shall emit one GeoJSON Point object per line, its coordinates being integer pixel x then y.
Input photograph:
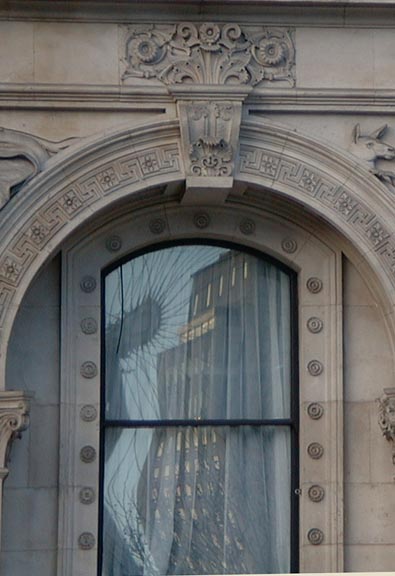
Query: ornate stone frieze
{"type": "Point", "coordinates": [22, 156]}
{"type": "Point", "coordinates": [387, 417]}
{"type": "Point", "coordinates": [14, 418]}
{"type": "Point", "coordinates": [328, 192]}
{"type": "Point", "coordinates": [209, 53]}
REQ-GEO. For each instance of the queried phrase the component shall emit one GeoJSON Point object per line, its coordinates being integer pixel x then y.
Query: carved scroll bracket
{"type": "Point", "coordinates": [210, 120]}
{"type": "Point", "coordinates": [387, 417]}
{"type": "Point", "coordinates": [14, 418]}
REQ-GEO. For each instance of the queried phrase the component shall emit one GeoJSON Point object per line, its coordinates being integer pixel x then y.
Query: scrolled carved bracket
{"type": "Point", "coordinates": [387, 417]}
{"type": "Point", "coordinates": [14, 418]}
{"type": "Point", "coordinates": [22, 156]}
{"type": "Point", "coordinates": [209, 135]}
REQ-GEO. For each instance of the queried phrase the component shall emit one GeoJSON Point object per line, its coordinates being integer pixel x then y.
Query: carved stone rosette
{"type": "Point", "coordinates": [387, 417]}
{"type": "Point", "coordinates": [209, 53]}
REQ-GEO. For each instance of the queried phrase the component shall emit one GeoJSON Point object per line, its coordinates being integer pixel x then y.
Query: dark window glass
{"type": "Point", "coordinates": [196, 424]}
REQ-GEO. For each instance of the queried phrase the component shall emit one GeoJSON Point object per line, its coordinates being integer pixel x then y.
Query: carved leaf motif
{"type": "Point", "coordinates": [211, 53]}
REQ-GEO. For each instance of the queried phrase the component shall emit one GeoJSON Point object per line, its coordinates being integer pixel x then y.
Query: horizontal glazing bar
{"type": "Point", "coordinates": [195, 422]}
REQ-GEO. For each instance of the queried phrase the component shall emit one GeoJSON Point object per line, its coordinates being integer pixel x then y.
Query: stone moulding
{"type": "Point", "coordinates": [386, 406]}
{"type": "Point", "coordinates": [209, 53]}
{"type": "Point", "coordinates": [116, 165]}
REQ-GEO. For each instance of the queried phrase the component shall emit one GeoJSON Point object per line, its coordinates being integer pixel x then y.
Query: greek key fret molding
{"type": "Point", "coordinates": [22, 156]}
{"type": "Point", "coordinates": [386, 406]}
{"type": "Point", "coordinates": [208, 53]}
{"type": "Point", "coordinates": [330, 193]}
{"type": "Point", "coordinates": [14, 418]}
{"type": "Point", "coordinates": [72, 200]}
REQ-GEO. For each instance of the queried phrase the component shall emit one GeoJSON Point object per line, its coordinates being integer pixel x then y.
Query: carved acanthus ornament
{"type": "Point", "coordinates": [22, 156]}
{"type": "Point", "coordinates": [387, 417]}
{"type": "Point", "coordinates": [14, 418]}
{"type": "Point", "coordinates": [209, 53]}
{"type": "Point", "coordinates": [209, 68]}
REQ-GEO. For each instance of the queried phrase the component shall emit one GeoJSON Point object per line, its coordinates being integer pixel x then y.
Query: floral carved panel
{"type": "Point", "coordinates": [209, 53]}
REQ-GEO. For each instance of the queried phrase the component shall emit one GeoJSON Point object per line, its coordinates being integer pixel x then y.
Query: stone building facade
{"type": "Point", "coordinates": [269, 125]}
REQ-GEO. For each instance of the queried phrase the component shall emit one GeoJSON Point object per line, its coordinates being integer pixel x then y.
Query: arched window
{"type": "Point", "coordinates": [199, 414]}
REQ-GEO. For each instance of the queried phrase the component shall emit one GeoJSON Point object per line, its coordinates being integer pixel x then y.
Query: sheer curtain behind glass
{"type": "Point", "coordinates": [197, 334]}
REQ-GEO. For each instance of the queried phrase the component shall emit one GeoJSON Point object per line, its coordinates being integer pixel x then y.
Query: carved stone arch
{"type": "Point", "coordinates": [91, 176]}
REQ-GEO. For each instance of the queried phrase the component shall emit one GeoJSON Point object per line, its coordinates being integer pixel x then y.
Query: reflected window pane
{"type": "Point", "coordinates": [197, 332]}
{"type": "Point", "coordinates": [204, 500]}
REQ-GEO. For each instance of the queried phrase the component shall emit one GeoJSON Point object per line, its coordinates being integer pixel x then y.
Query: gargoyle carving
{"type": "Point", "coordinates": [370, 147]}
{"type": "Point", "coordinates": [387, 417]}
{"type": "Point", "coordinates": [22, 156]}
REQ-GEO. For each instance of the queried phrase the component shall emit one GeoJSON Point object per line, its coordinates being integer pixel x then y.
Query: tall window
{"type": "Point", "coordinates": [198, 414]}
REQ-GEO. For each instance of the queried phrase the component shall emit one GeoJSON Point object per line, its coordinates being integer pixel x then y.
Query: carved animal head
{"type": "Point", "coordinates": [370, 147]}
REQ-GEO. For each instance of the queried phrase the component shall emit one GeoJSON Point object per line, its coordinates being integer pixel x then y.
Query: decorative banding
{"type": "Point", "coordinates": [315, 450]}
{"type": "Point", "coordinates": [157, 225]}
{"type": "Point", "coordinates": [88, 284]}
{"type": "Point", "coordinates": [114, 243]}
{"type": "Point", "coordinates": [316, 493]}
{"type": "Point", "coordinates": [88, 325]}
{"type": "Point", "coordinates": [88, 413]}
{"type": "Point", "coordinates": [247, 226]}
{"type": "Point", "coordinates": [315, 536]}
{"type": "Point", "coordinates": [86, 541]}
{"type": "Point", "coordinates": [289, 245]}
{"type": "Point", "coordinates": [88, 454]}
{"type": "Point", "coordinates": [315, 410]}
{"type": "Point", "coordinates": [201, 220]}
{"type": "Point", "coordinates": [315, 368]}
{"type": "Point", "coordinates": [314, 285]}
{"type": "Point", "coordinates": [87, 495]}
{"type": "Point", "coordinates": [314, 325]}
{"type": "Point", "coordinates": [88, 369]}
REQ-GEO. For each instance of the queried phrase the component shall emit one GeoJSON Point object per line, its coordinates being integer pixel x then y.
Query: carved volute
{"type": "Point", "coordinates": [387, 417]}
{"type": "Point", "coordinates": [14, 418]}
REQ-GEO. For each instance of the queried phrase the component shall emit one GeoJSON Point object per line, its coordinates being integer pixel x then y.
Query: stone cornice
{"type": "Point", "coordinates": [288, 12]}
{"type": "Point", "coordinates": [113, 97]}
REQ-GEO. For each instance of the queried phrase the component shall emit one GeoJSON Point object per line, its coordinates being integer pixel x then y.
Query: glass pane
{"type": "Point", "coordinates": [204, 500]}
{"type": "Point", "coordinates": [197, 332]}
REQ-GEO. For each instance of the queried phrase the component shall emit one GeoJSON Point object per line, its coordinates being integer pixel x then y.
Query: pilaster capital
{"type": "Point", "coordinates": [14, 418]}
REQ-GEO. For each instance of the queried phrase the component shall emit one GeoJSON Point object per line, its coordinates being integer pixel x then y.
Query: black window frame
{"type": "Point", "coordinates": [292, 422]}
